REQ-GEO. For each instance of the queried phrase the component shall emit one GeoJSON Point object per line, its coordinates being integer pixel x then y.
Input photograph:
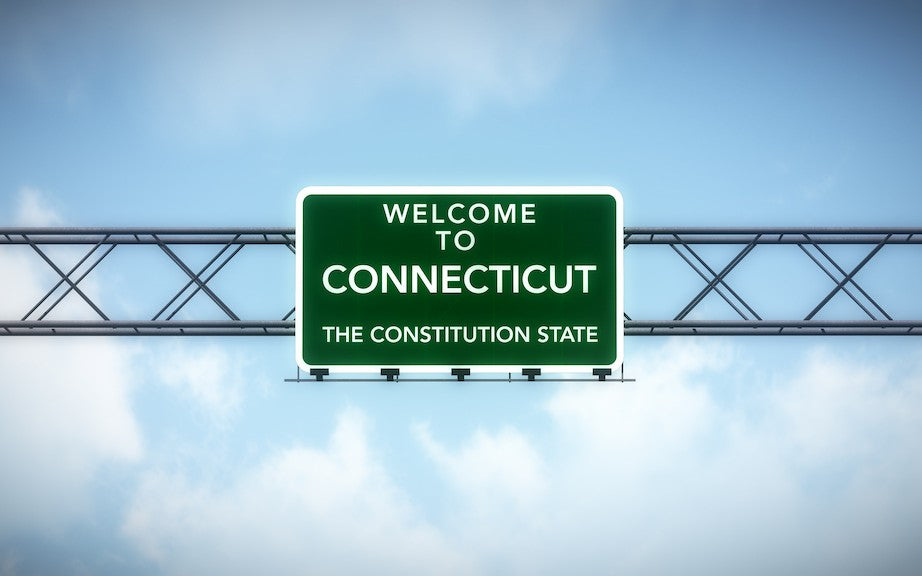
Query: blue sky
{"type": "Point", "coordinates": [726, 456]}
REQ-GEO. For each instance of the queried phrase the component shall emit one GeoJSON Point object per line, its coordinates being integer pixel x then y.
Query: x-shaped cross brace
{"type": "Point", "coordinates": [847, 278]}
{"type": "Point", "coordinates": [196, 278]}
{"type": "Point", "coordinates": [716, 279]}
{"type": "Point", "coordinates": [66, 278]}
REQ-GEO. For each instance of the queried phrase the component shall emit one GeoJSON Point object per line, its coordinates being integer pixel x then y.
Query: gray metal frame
{"type": "Point", "coordinates": [228, 242]}
{"type": "Point", "coordinates": [687, 243]}
{"type": "Point", "coordinates": [813, 242]}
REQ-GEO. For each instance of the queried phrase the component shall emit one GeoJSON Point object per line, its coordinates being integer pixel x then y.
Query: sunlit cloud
{"type": "Point", "coordinates": [697, 465]}
{"type": "Point", "coordinates": [34, 209]}
{"type": "Point", "coordinates": [301, 510]}
{"type": "Point", "coordinates": [65, 407]}
{"type": "Point", "coordinates": [501, 469]}
{"type": "Point", "coordinates": [209, 377]}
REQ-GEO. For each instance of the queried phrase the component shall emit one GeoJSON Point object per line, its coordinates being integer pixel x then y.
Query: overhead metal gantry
{"type": "Point", "coordinates": [860, 245]}
{"type": "Point", "coordinates": [187, 292]}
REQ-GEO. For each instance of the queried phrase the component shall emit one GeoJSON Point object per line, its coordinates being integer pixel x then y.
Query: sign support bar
{"type": "Point", "coordinates": [874, 316]}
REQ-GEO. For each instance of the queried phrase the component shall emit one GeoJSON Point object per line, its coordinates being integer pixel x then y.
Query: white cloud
{"type": "Point", "coordinates": [65, 406]}
{"type": "Point", "coordinates": [278, 64]}
{"type": "Point", "coordinates": [64, 412]}
{"type": "Point", "coordinates": [700, 467]}
{"type": "Point", "coordinates": [501, 468]}
{"type": "Point", "coordinates": [35, 210]}
{"type": "Point", "coordinates": [705, 464]}
{"type": "Point", "coordinates": [207, 375]}
{"type": "Point", "coordinates": [499, 485]}
{"type": "Point", "coordinates": [300, 511]}
{"type": "Point", "coordinates": [31, 277]}
{"type": "Point", "coordinates": [835, 410]}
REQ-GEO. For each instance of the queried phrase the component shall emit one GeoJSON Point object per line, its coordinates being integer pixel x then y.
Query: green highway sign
{"type": "Point", "coordinates": [491, 278]}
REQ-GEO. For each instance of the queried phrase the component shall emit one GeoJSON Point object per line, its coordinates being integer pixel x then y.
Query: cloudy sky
{"type": "Point", "coordinates": [726, 456]}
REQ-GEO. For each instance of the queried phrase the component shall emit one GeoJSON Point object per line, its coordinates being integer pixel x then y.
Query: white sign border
{"type": "Point", "coordinates": [464, 190]}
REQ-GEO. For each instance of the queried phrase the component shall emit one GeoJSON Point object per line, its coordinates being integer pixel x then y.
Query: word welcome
{"type": "Point", "coordinates": [458, 213]}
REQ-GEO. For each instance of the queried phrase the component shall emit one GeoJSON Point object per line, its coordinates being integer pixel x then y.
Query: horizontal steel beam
{"type": "Point", "coordinates": [632, 235]}
{"type": "Point", "coordinates": [681, 230]}
{"type": "Point", "coordinates": [147, 328]}
{"type": "Point", "coordinates": [146, 236]}
{"type": "Point", "coordinates": [773, 328]}
{"type": "Point", "coordinates": [143, 230]}
{"type": "Point", "coordinates": [770, 236]}
{"type": "Point", "coordinates": [631, 328]}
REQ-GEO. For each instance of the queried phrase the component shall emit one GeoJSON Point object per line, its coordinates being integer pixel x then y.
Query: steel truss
{"type": "Point", "coordinates": [815, 243]}
{"type": "Point", "coordinates": [171, 317]}
{"type": "Point", "coordinates": [166, 320]}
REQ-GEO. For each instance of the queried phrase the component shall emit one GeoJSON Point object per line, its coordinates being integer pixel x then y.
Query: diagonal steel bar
{"type": "Point", "coordinates": [176, 259]}
{"type": "Point", "coordinates": [80, 279]}
{"type": "Point", "coordinates": [853, 282]}
{"type": "Point", "coordinates": [723, 282]}
{"type": "Point", "coordinates": [210, 276]}
{"type": "Point", "coordinates": [708, 279]}
{"type": "Point", "coordinates": [848, 277]}
{"type": "Point", "coordinates": [291, 246]}
{"type": "Point", "coordinates": [190, 282]}
{"type": "Point", "coordinates": [66, 278]}
{"type": "Point", "coordinates": [835, 279]}
{"type": "Point", "coordinates": [61, 281]}
{"type": "Point", "coordinates": [710, 286]}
